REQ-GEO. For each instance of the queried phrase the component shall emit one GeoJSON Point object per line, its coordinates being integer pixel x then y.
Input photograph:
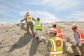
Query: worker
{"type": "Point", "coordinates": [29, 21]}
{"type": "Point", "coordinates": [38, 24]}
{"type": "Point", "coordinates": [79, 41]}
{"type": "Point", "coordinates": [55, 44]}
{"type": "Point", "coordinates": [38, 28]}
{"type": "Point", "coordinates": [59, 31]}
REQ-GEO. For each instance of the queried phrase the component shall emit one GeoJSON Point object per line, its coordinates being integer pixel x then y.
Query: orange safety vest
{"type": "Point", "coordinates": [59, 32]}
{"type": "Point", "coordinates": [57, 46]}
{"type": "Point", "coordinates": [81, 36]}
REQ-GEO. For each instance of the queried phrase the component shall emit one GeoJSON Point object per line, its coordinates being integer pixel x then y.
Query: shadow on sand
{"type": "Point", "coordinates": [34, 46]}
{"type": "Point", "coordinates": [22, 42]}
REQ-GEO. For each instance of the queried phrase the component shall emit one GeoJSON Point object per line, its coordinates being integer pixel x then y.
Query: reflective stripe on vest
{"type": "Point", "coordinates": [81, 41]}
{"type": "Point", "coordinates": [54, 44]}
{"type": "Point", "coordinates": [56, 52]}
{"type": "Point", "coordinates": [80, 37]}
{"type": "Point", "coordinates": [38, 25]}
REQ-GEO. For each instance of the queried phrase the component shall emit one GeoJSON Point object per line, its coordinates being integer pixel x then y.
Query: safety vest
{"type": "Point", "coordinates": [81, 36]}
{"type": "Point", "coordinates": [56, 46]}
{"type": "Point", "coordinates": [29, 19]}
{"type": "Point", "coordinates": [59, 32]}
{"type": "Point", "coordinates": [38, 25]}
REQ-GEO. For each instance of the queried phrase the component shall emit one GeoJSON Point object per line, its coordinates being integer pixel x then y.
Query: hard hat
{"type": "Point", "coordinates": [53, 24]}
{"type": "Point", "coordinates": [74, 26]}
{"type": "Point", "coordinates": [27, 12]}
{"type": "Point", "coordinates": [52, 30]}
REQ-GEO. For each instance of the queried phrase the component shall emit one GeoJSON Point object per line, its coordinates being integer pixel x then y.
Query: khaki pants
{"type": "Point", "coordinates": [38, 34]}
{"type": "Point", "coordinates": [81, 48]}
{"type": "Point", "coordinates": [30, 25]}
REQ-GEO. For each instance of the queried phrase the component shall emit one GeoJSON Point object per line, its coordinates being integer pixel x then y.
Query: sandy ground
{"type": "Point", "coordinates": [15, 41]}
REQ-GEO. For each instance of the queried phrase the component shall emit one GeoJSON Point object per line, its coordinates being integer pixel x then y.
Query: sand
{"type": "Point", "coordinates": [15, 41]}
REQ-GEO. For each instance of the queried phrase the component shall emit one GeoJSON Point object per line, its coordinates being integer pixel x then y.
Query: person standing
{"type": "Point", "coordinates": [29, 21]}
{"type": "Point", "coordinates": [59, 31]}
{"type": "Point", "coordinates": [79, 41]}
{"type": "Point", "coordinates": [55, 44]}
{"type": "Point", "coordinates": [38, 28]}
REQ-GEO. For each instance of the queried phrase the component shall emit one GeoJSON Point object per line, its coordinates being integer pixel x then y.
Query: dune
{"type": "Point", "coordinates": [15, 41]}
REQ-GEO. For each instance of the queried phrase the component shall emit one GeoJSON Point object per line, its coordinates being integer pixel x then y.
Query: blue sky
{"type": "Point", "coordinates": [12, 11]}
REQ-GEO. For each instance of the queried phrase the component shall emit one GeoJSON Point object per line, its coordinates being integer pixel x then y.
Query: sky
{"type": "Point", "coordinates": [12, 11]}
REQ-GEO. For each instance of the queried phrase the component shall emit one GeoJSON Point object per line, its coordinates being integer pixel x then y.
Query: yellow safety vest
{"type": "Point", "coordinates": [29, 19]}
{"type": "Point", "coordinates": [57, 46]}
{"type": "Point", "coordinates": [38, 25]}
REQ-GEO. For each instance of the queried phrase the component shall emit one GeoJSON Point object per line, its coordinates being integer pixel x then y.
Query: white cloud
{"type": "Point", "coordinates": [57, 4]}
{"type": "Point", "coordinates": [44, 15]}
{"type": "Point", "coordinates": [78, 16]}
{"type": "Point", "coordinates": [9, 4]}
{"type": "Point", "coordinates": [64, 4]}
{"type": "Point", "coordinates": [36, 2]}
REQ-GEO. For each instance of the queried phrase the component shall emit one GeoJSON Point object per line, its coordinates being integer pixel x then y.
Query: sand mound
{"type": "Point", "coordinates": [15, 41]}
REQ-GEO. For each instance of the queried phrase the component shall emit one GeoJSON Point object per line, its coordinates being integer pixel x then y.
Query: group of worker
{"type": "Point", "coordinates": [55, 43]}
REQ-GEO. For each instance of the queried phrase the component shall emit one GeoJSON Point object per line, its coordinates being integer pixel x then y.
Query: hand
{"type": "Point", "coordinates": [21, 20]}
{"type": "Point", "coordinates": [32, 18]}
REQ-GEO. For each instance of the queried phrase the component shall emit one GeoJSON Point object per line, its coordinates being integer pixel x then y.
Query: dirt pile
{"type": "Point", "coordinates": [15, 41]}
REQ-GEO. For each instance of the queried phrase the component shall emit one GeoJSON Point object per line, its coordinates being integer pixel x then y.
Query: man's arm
{"type": "Point", "coordinates": [33, 19]}
{"type": "Point", "coordinates": [23, 19]}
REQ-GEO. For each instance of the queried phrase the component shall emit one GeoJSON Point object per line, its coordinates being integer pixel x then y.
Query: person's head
{"type": "Point", "coordinates": [52, 32]}
{"type": "Point", "coordinates": [38, 19]}
{"type": "Point", "coordinates": [27, 14]}
{"type": "Point", "coordinates": [54, 25]}
{"type": "Point", "coordinates": [74, 27]}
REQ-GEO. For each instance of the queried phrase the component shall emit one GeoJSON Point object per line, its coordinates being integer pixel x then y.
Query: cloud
{"type": "Point", "coordinates": [57, 4]}
{"type": "Point", "coordinates": [9, 4]}
{"type": "Point", "coordinates": [64, 4]}
{"type": "Point", "coordinates": [37, 2]}
{"type": "Point", "coordinates": [44, 15]}
{"type": "Point", "coordinates": [78, 16]}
